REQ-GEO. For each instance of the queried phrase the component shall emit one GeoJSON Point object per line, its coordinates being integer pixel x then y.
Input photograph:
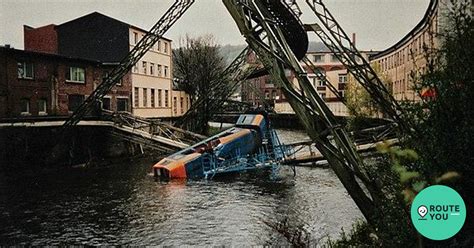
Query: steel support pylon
{"type": "Point", "coordinates": [335, 38]}
{"type": "Point", "coordinates": [264, 30]}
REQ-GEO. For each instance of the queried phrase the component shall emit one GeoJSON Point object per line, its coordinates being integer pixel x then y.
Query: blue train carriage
{"type": "Point", "coordinates": [246, 139]}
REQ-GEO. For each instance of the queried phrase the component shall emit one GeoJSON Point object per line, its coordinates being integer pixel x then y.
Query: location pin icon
{"type": "Point", "coordinates": [422, 211]}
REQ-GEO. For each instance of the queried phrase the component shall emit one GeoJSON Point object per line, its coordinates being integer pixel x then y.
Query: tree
{"type": "Point", "coordinates": [445, 119]}
{"type": "Point", "coordinates": [358, 100]}
{"type": "Point", "coordinates": [200, 70]}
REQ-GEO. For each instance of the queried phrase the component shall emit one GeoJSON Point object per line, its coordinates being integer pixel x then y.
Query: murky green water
{"type": "Point", "coordinates": [123, 204]}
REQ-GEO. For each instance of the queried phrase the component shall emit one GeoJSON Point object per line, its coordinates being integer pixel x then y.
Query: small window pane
{"type": "Point", "coordinates": [122, 104]}
{"type": "Point", "coordinates": [25, 106]}
{"type": "Point", "coordinates": [76, 74]}
{"type": "Point", "coordinates": [75, 101]}
{"type": "Point", "coordinates": [42, 108]}
{"type": "Point", "coordinates": [106, 103]}
{"type": "Point", "coordinates": [25, 70]}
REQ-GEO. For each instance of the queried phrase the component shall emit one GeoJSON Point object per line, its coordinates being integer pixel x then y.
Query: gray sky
{"type": "Point", "coordinates": [378, 23]}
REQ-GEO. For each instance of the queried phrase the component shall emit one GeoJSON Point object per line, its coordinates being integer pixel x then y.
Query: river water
{"type": "Point", "coordinates": [123, 204]}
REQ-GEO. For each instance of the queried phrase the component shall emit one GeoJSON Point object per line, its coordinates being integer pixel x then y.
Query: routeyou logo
{"type": "Point", "coordinates": [438, 212]}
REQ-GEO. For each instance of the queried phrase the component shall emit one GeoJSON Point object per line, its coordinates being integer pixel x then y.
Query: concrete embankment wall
{"type": "Point", "coordinates": [52, 146]}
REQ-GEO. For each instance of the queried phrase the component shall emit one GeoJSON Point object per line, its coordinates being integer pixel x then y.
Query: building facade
{"type": "Point", "coordinates": [99, 37]}
{"type": "Point", "coordinates": [406, 59]}
{"type": "Point", "coordinates": [259, 91]}
{"type": "Point", "coordinates": [336, 74]}
{"type": "Point", "coordinates": [46, 84]}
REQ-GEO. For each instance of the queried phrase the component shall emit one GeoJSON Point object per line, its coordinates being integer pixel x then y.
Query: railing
{"type": "Point", "coordinates": [152, 126]}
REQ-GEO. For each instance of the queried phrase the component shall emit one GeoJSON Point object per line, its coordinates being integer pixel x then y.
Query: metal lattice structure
{"type": "Point", "coordinates": [220, 91]}
{"type": "Point", "coordinates": [334, 37]}
{"type": "Point", "coordinates": [277, 36]}
{"type": "Point", "coordinates": [176, 10]}
{"type": "Point", "coordinates": [322, 77]}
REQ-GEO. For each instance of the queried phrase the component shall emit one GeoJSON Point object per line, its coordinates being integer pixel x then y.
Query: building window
{"type": "Point", "coordinates": [341, 93]}
{"type": "Point", "coordinates": [135, 98]}
{"type": "Point", "coordinates": [166, 71]}
{"type": "Point", "coordinates": [42, 107]}
{"type": "Point", "coordinates": [159, 98]}
{"type": "Point", "coordinates": [76, 74]}
{"type": "Point", "coordinates": [166, 47]}
{"type": "Point", "coordinates": [152, 91]}
{"type": "Point", "coordinates": [334, 58]}
{"type": "Point", "coordinates": [320, 83]}
{"type": "Point", "coordinates": [322, 95]}
{"type": "Point", "coordinates": [166, 99]}
{"type": "Point", "coordinates": [144, 67]}
{"type": "Point", "coordinates": [318, 58]}
{"type": "Point", "coordinates": [75, 101]}
{"type": "Point", "coordinates": [274, 94]}
{"type": "Point", "coordinates": [175, 105]}
{"type": "Point", "coordinates": [152, 69]}
{"type": "Point", "coordinates": [122, 104]}
{"type": "Point", "coordinates": [159, 45]}
{"type": "Point", "coordinates": [25, 106]}
{"type": "Point", "coordinates": [25, 70]}
{"type": "Point", "coordinates": [145, 98]}
{"type": "Point", "coordinates": [135, 68]}
{"type": "Point", "coordinates": [342, 78]}
{"type": "Point", "coordinates": [135, 37]}
{"type": "Point", "coordinates": [106, 103]}
{"type": "Point", "coordinates": [267, 94]}
{"type": "Point", "coordinates": [159, 70]}
{"type": "Point", "coordinates": [181, 103]}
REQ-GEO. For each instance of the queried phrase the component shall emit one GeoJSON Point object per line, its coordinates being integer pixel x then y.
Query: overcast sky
{"type": "Point", "coordinates": [377, 23]}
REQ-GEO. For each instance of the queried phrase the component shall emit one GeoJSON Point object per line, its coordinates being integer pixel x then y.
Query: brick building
{"type": "Point", "coordinates": [101, 38]}
{"type": "Point", "coordinates": [260, 91]}
{"type": "Point", "coordinates": [45, 84]}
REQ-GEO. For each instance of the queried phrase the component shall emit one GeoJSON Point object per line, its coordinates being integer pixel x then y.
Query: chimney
{"type": "Point", "coordinates": [354, 39]}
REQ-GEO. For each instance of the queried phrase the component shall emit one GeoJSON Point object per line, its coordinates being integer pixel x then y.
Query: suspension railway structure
{"type": "Point", "coordinates": [274, 31]}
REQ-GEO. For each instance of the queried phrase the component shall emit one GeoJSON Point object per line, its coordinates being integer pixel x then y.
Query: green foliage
{"type": "Point", "coordinates": [358, 100]}
{"type": "Point", "coordinates": [361, 235]}
{"type": "Point", "coordinates": [412, 181]}
{"type": "Point", "coordinates": [445, 122]}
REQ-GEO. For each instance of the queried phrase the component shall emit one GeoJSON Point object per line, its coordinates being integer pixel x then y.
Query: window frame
{"type": "Point", "coordinates": [167, 100]}
{"type": "Point", "coordinates": [69, 101]}
{"type": "Point", "coordinates": [110, 102]}
{"type": "Point", "coordinates": [121, 98]}
{"type": "Point", "coordinates": [152, 98]}
{"type": "Point", "coordinates": [136, 100]}
{"type": "Point", "coordinates": [24, 75]}
{"type": "Point", "coordinates": [44, 105]}
{"type": "Point", "coordinates": [69, 75]}
{"type": "Point", "coordinates": [144, 67]}
{"type": "Point", "coordinates": [320, 56]}
{"type": "Point", "coordinates": [342, 75]}
{"type": "Point", "coordinates": [160, 104]}
{"type": "Point", "coordinates": [152, 69]}
{"type": "Point", "coordinates": [28, 107]}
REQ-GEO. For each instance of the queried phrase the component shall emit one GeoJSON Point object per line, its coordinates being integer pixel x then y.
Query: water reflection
{"type": "Point", "coordinates": [123, 204]}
